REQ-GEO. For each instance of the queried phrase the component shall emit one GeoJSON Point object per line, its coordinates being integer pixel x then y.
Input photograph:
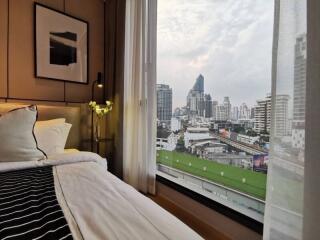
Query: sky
{"type": "Point", "coordinates": [228, 41]}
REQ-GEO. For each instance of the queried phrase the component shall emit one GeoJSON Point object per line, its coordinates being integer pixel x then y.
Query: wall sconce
{"type": "Point", "coordinates": [99, 83]}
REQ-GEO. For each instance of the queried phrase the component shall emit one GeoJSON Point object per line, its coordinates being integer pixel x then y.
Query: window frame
{"type": "Point", "coordinates": [252, 224]}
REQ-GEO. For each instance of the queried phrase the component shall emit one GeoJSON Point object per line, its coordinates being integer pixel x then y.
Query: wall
{"type": "Point", "coordinates": [311, 213]}
{"type": "Point", "coordinates": [17, 77]}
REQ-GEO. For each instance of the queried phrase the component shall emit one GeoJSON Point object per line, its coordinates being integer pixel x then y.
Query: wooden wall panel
{"type": "Point", "coordinates": [93, 12]}
{"type": "Point", "coordinates": [3, 46]}
{"type": "Point", "coordinates": [22, 81]}
{"type": "Point", "coordinates": [36, 102]}
{"type": "Point", "coordinates": [17, 56]}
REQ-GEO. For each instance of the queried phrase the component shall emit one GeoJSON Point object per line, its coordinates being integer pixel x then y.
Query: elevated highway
{"type": "Point", "coordinates": [241, 146]}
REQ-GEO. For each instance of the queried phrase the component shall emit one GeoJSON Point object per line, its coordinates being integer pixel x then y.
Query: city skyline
{"type": "Point", "coordinates": [215, 44]}
{"type": "Point", "coordinates": [219, 101]}
{"type": "Point", "coordinates": [199, 103]}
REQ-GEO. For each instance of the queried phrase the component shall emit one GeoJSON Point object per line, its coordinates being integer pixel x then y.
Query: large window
{"type": "Point", "coordinates": [213, 99]}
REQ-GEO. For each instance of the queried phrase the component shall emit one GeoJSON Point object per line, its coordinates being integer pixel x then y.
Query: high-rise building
{"type": "Point", "coordinates": [214, 109]}
{"type": "Point", "coordinates": [262, 115]}
{"type": "Point", "coordinates": [244, 112]}
{"type": "Point", "coordinates": [299, 92]}
{"type": "Point", "coordinates": [281, 115]}
{"type": "Point", "coordinates": [227, 106]}
{"type": "Point", "coordinates": [164, 103]}
{"type": "Point", "coordinates": [195, 98]}
{"type": "Point", "coordinates": [252, 113]}
{"type": "Point", "coordinates": [199, 85]}
{"type": "Point", "coordinates": [221, 113]}
{"type": "Point", "coordinates": [208, 106]}
{"type": "Point", "coordinates": [235, 113]}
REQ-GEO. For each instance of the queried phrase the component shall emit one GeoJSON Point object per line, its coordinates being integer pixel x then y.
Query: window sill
{"type": "Point", "coordinates": [209, 203]}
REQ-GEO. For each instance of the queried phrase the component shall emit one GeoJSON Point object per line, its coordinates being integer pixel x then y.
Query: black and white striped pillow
{"type": "Point", "coordinates": [18, 142]}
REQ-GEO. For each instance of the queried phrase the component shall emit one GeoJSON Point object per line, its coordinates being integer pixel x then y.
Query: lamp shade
{"type": "Point", "coordinates": [99, 80]}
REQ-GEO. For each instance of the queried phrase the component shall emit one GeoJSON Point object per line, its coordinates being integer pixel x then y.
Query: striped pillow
{"type": "Point", "coordinates": [18, 142]}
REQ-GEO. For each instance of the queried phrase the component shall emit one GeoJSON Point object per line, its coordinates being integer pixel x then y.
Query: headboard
{"type": "Point", "coordinates": [71, 114]}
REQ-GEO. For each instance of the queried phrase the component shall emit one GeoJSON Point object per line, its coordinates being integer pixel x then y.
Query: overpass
{"type": "Point", "coordinates": [239, 145]}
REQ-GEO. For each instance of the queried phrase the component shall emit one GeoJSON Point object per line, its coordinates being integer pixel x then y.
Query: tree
{"type": "Point", "coordinates": [180, 145]}
{"type": "Point", "coordinates": [239, 129]}
{"type": "Point", "coordinates": [251, 133]}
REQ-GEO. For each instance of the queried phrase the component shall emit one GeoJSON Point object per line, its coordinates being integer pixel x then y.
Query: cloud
{"type": "Point", "coordinates": [228, 41]}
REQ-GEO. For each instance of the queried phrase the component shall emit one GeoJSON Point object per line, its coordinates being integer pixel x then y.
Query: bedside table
{"type": "Point", "coordinates": [97, 145]}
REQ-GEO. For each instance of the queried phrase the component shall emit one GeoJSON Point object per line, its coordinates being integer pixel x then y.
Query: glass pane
{"type": "Point", "coordinates": [286, 169]}
{"type": "Point", "coordinates": [213, 98]}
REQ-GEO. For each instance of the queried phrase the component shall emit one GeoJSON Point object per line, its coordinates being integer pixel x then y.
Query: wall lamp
{"type": "Point", "coordinates": [98, 82]}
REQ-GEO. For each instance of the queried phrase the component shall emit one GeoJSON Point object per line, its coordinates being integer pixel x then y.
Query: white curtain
{"type": "Point", "coordinates": [284, 204]}
{"type": "Point", "coordinates": [139, 163]}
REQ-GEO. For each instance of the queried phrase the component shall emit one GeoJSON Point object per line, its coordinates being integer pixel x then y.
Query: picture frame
{"type": "Point", "coordinates": [61, 46]}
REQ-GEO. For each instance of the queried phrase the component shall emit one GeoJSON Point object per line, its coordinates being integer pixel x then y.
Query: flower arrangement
{"type": "Point", "coordinates": [99, 110]}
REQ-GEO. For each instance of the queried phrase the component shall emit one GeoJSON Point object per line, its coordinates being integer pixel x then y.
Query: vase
{"type": "Point", "coordinates": [97, 129]}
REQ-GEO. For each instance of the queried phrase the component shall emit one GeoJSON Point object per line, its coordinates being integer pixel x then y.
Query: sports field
{"type": "Point", "coordinates": [247, 181]}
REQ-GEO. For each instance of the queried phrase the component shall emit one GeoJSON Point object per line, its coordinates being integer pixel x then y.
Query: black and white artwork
{"type": "Point", "coordinates": [61, 46]}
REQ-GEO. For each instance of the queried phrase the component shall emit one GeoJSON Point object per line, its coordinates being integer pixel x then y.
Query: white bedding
{"type": "Point", "coordinates": [97, 205]}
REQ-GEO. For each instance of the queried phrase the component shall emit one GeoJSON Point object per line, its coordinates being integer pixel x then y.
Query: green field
{"type": "Point", "coordinates": [229, 176]}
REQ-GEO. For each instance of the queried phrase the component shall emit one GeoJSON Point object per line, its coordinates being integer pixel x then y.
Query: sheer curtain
{"type": "Point", "coordinates": [285, 193]}
{"type": "Point", "coordinates": [139, 136]}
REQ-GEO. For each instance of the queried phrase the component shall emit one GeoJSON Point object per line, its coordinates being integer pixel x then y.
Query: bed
{"type": "Point", "coordinates": [71, 195]}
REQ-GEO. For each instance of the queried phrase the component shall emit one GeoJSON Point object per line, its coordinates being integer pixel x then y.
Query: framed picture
{"type": "Point", "coordinates": [61, 46]}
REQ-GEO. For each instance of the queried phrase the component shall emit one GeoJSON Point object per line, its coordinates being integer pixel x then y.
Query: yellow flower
{"type": "Point", "coordinates": [100, 111]}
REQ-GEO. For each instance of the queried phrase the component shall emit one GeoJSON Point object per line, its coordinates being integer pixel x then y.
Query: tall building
{"type": "Point", "coordinates": [207, 106]}
{"type": "Point", "coordinates": [199, 85]}
{"type": "Point", "coordinates": [164, 103]}
{"type": "Point", "coordinates": [244, 112]}
{"type": "Point", "coordinates": [214, 109]}
{"type": "Point", "coordinates": [195, 98]}
{"type": "Point", "coordinates": [299, 92]}
{"type": "Point", "coordinates": [235, 113]}
{"type": "Point", "coordinates": [221, 113]}
{"type": "Point", "coordinates": [227, 106]}
{"type": "Point", "coordinates": [252, 113]}
{"type": "Point", "coordinates": [262, 115]}
{"type": "Point", "coordinates": [281, 115]}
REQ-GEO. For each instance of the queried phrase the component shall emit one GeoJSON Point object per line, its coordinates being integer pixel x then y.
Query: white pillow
{"type": "Point", "coordinates": [18, 142]}
{"type": "Point", "coordinates": [50, 122]}
{"type": "Point", "coordinates": [52, 138]}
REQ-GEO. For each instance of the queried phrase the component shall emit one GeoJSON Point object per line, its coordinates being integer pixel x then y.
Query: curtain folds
{"type": "Point", "coordinates": [285, 187]}
{"type": "Point", "coordinates": [139, 136]}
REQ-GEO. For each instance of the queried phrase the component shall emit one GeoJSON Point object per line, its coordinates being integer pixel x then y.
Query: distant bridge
{"type": "Point", "coordinates": [241, 146]}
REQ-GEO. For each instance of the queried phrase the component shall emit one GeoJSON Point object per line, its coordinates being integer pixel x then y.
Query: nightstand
{"type": "Point", "coordinates": [99, 146]}
{"type": "Point", "coordinates": [104, 141]}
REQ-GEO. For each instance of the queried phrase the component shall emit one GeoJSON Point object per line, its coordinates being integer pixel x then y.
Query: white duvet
{"type": "Point", "coordinates": [98, 205]}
